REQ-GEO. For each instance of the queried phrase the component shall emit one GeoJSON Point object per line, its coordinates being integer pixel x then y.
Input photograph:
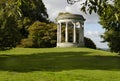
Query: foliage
{"type": "Point", "coordinates": [42, 35]}
{"type": "Point", "coordinates": [93, 5]}
{"type": "Point", "coordinates": [26, 43]}
{"type": "Point", "coordinates": [34, 9]}
{"type": "Point", "coordinates": [15, 18]}
{"type": "Point", "coordinates": [58, 64]}
{"type": "Point", "coordinates": [23, 25]}
{"type": "Point", "coordinates": [109, 18]}
{"type": "Point", "coordinates": [113, 38]}
{"type": "Point", "coordinates": [9, 33]}
{"type": "Point", "coordinates": [112, 26]}
{"type": "Point", "coordinates": [89, 43]}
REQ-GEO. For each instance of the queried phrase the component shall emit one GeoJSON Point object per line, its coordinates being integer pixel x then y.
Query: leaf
{"type": "Point", "coordinates": [83, 9]}
{"type": "Point", "coordinates": [93, 2]}
{"type": "Point", "coordinates": [86, 2]}
{"type": "Point", "coordinates": [90, 10]}
{"type": "Point", "coordinates": [95, 10]}
{"type": "Point", "coordinates": [116, 15]}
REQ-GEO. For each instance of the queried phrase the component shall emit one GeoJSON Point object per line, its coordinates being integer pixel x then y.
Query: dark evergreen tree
{"type": "Point", "coordinates": [34, 9]}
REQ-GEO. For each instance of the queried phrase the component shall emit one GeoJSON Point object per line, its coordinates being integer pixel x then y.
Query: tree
{"type": "Point", "coordinates": [32, 10]}
{"type": "Point", "coordinates": [109, 18]}
{"type": "Point", "coordinates": [89, 43]}
{"type": "Point", "coordinates": [112, 26]}
{"type": "Point", "coordinates": [15, 18]}
{"type": "Point", "coordinates": [41, 35]}
{"type": "Point", "coordinates": [9, 33]}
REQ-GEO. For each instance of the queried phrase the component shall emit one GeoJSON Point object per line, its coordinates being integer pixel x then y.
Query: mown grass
{"type": "Point", "coordinates": [59, 64]}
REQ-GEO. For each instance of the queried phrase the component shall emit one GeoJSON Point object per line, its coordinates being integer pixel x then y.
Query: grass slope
{"type": "Point", "coordinates": [59, 64]}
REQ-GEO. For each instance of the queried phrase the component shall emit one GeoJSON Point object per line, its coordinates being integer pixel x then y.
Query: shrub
{"type": "Point", "coordinates": [41, 35]}
{"type": "Point", "coordinates": [26, 43]}
{"type": "Point", "coordinates": [89, 43]}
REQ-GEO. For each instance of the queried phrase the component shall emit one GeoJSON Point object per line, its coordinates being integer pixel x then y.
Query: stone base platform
{"type": "Point", "coordinates": [70, 45]}
{"type": "Point", "coordinates": [67, 45]}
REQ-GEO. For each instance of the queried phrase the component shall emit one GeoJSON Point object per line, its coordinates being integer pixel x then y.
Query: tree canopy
{"type": "Point", "coordinates": [15, 18]}
{"type": "Point", "coordinates": [34, 9]}
{"type": "Point", "coordinates": [111, 23]}
{"type": "Point", "coordinates": [109, 13]}
{"type": "Point", "coordinates": [9, 33]}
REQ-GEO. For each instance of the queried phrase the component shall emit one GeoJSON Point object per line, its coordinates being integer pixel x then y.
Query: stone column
{"type": "Point", "coordinates": [74, 33]}
{"type": "Point", "coordinates": [60, 33]}
{"type": "Point", "coordinates": [81, 35]}
{"type": "Point", "coordinates": [66, 32]}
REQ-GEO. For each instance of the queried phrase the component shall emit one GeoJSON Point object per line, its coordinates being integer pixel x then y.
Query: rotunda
{"type": "Point", "coordinates": [75, 21]}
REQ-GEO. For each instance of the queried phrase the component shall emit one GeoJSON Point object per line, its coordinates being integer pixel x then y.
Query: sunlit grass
{"type": "Point", "coordinates": [58, 64]}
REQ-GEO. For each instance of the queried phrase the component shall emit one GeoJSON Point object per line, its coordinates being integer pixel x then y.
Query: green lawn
{"type": "Point", "coordinates": [59, 64]}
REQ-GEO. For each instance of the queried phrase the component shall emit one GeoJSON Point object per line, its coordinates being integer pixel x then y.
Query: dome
{"type": "Point", "coordinates": [63, 16]}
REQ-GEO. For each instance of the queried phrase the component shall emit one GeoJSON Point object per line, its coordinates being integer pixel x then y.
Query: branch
{"type": "Point", "coordinates": [72, 1]}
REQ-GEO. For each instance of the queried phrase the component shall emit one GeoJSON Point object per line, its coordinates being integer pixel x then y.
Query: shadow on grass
{"type": "Point", "coordinates": [57, 62]}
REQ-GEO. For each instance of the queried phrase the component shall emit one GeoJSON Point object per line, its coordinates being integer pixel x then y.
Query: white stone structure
{"type": "Point", "coordinates": [77, 22]}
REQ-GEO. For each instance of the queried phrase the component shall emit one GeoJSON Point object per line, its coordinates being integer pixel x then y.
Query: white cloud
{"type": "Point", "coordinates": [56, 6]}
{"type": "Point", "coordinates": [95, 37]}
{"type": "Point", "coordinates": [92, 33]}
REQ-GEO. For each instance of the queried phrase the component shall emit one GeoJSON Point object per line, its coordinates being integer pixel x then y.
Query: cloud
{"type": "Point", "coordinates": [95, 37]}
{"type": "Point", "coordinates": [92, 33]}
{"type": "Point", "coordinates": [91, 19]}
{"type": "Point", "coordinates": [56, 6]}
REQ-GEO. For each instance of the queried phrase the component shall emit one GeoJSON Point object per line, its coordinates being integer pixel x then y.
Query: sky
{"type": "Point", "coordinates": [93, 29]}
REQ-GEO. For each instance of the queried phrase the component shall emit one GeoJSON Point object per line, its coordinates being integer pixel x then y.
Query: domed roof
{"type": "Point", "coordinates": [63, 16]}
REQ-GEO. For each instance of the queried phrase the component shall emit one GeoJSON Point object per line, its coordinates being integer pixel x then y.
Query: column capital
{"type": "Point", "coordinates": [73, 22]}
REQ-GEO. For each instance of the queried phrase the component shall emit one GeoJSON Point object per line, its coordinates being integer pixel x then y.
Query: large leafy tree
{"type": "Point", "coordinates": [109, 13]}
{"type": "Point", "coordinates": [42, 34]}
{"type": "Point", "coordinates": [18, 15]}
{"type": "Point", "coordinates": [112, 25]}
{"type": "Point", "coordinates": [32, 10]}
{"type": "Point", "coordinates": [9, 33]}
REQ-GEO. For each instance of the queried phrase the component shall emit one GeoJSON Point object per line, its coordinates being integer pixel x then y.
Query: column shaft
{"type": "Point", "coordinates": [81, 35]}
{"type": "Point", "coordinates": [74, 33]}
{"type": "Point", "coordinates": [66, 32]}
{"type": "Point", "coordinates": [60, 33]}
